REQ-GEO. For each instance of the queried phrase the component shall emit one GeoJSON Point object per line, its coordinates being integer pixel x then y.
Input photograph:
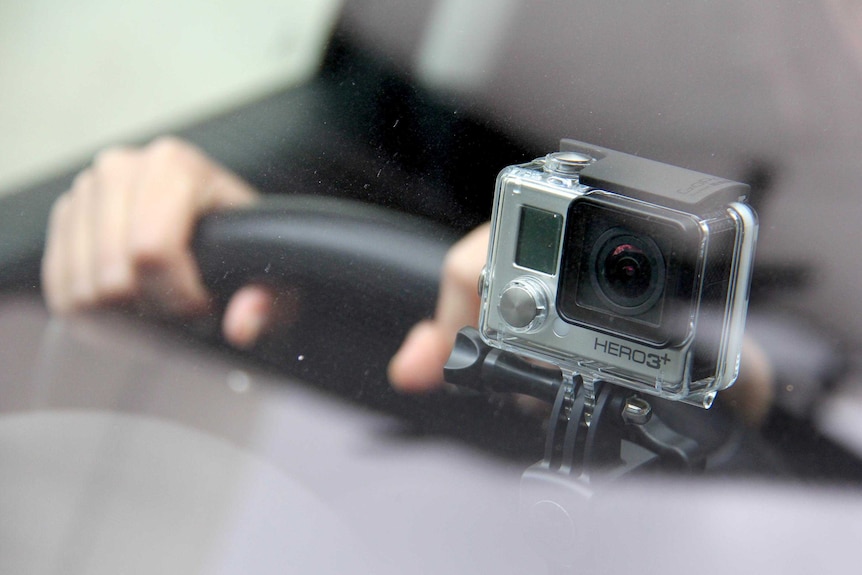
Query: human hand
{"type": "Point", "coordinates": [121, 236]}
{"type": "Point", "coordinates": [418, 364]}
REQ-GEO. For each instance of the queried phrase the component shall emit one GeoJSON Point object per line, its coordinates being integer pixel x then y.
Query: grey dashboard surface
{"type": "Point", "coordinates": [126, 449]}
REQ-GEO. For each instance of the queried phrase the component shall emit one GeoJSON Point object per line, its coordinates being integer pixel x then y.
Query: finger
{"type": "Point", "coordinates": [179, 185]}
{"type": "Point", "coordinates": [418, 364]}
{"type": "Point", "coordinates": [116, 173]}
{"type": "Point", "coordinates": [754, 392]}
{"type": "Point", "coordinates": [163, 215]}
{"type": "Point", "coordinates": [223, 190]}
{"type": "Point", "coordinates": [54, 269]}
{"type": "Point", "coordinates": [215, 187]}
{"type": "Point", "coordinates": [248, 314]}
{"type": "Point", "coordinates": [458, 302]}
{"type": "Point", "coordinates": [82, 248]}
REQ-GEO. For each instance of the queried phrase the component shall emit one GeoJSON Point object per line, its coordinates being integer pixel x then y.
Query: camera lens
{"type": "Point", "coordinates": [628, 271]}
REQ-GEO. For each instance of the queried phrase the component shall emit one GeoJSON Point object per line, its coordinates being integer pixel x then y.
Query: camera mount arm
{"type": "Point", "coordinates": [586, 435]}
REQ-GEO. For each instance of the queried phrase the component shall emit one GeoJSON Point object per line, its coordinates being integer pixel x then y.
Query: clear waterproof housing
{"type": "Point", "coordinates": [620, 269]}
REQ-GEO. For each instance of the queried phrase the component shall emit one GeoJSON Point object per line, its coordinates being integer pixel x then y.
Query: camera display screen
{"type": "Point", "coordinates": [539, 234]}
{"type": "Point", "coordinates": [628, 270]}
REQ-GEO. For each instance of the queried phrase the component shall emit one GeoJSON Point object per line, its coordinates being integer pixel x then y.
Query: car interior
{"type": "Point", "coordinates": [139, 445]}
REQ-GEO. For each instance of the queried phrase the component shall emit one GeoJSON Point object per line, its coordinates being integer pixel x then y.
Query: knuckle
{"type": "Point", "coordinates": [82, 196]}
{"type": "Point", "coordinates": [112, 158]}
{"type": "Point", "coordinates": [166, 142]}
{"type": "Point", "coordinates": [82, 181]}
{"type": "Point", "coordinates": [151, 251]}
{"type": "Point", "coordinates": [171, 150]}
{"type": "Point", "coordinates": [59, 210]}
{"type": "Point", "coordinates": [146, 253]}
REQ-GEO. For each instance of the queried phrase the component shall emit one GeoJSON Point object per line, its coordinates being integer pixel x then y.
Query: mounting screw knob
{"type": "Point", "coordinates": [637, 411]}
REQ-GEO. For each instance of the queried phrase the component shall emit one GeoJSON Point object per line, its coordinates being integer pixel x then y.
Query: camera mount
{"type": "Point", "coordinates": [630, 278]}
{"type": "Point", "coordinates": [597, 431]}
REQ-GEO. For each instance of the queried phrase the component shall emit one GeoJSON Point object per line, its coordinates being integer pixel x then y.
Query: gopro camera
{"type": "Point", "coordinates": [620, 269]}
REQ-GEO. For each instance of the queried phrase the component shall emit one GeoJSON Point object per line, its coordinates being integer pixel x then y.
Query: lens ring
{"type": "Point", "coordinates": [627, 271]}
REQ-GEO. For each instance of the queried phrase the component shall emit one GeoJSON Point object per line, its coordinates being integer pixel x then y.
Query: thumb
{"type": "Point", "coordinates": [418, 365]}
{"type": "Point", "coordinates": [248, 314]}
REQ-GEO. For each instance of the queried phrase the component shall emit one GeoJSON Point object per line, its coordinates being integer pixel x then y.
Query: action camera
{"type": "Point", "coordinates": [620, 269]}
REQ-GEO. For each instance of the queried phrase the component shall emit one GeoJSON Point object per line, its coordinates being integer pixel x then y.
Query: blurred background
{"type": "Point", "coordinates": [78, 77]}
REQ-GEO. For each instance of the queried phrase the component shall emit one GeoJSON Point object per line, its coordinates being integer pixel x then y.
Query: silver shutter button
{"type": "Point", "coordinates": [523, 304]}
{"type": "Point", "coordinates": [566, 163]}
